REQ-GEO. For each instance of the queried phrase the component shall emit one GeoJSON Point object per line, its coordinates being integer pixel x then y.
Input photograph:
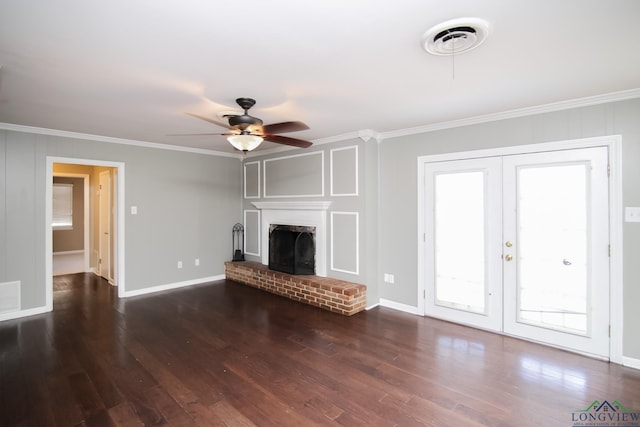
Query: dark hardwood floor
{"type": "Point", "coordinates": [226, 354]}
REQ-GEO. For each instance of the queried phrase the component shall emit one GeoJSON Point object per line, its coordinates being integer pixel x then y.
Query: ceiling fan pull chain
{"type": "Point", "coordinates": [453, 60]}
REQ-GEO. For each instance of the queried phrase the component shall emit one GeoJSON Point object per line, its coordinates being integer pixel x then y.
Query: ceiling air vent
{"type": "Point", "coordinates": [456, 36]}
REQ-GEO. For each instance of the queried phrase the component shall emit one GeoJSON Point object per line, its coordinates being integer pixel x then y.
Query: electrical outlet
{"type": "Point", "coordinates": [197, 262]}
{"type": "Point", "coordinates": [179, 264]}
{"type": "Point", "coordinates": [392, 279]}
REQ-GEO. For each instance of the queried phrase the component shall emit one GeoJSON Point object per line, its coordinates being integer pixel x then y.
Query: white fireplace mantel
{"type": "Point", "coordinates": [309, 214]}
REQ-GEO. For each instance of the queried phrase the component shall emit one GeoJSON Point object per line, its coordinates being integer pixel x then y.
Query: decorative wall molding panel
{"type": "Point", "coordinates": [252, 180]}
{"type": "Point", "coordinates": [345, 242]}
{"type": "Point", "coordinates": [300, 175]}
{"type": "Point", "coordinates": [344, 171]}
{"type": "Point", "coordinates": [252, 232]}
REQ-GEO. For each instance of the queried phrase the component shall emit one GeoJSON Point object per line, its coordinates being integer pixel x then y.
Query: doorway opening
{"type": "Point", "coordinates": [94, 241]}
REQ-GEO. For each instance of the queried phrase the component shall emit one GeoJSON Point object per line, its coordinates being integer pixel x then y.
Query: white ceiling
{"type": "Point", "coordinates": [132, 69]}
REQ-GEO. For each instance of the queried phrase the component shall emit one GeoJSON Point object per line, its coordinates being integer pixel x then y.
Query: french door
{"type": "Point", "coordinates": [519, 244]}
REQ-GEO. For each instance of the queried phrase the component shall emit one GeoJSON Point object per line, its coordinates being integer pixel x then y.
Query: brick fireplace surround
{"type": "Point", "coordinates": [334, 295]}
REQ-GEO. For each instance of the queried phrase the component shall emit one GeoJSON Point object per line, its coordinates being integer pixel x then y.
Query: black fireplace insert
{"type": "Point", "coordinates": [292, 249]}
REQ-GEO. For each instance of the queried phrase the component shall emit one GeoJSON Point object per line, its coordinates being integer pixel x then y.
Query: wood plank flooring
{"type": "Point", "coordinates": [223, 354]}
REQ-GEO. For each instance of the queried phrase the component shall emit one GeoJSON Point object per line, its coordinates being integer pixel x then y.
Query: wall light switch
{"type": "Point", "coordinates": [134, 210]}
{"type": "Point", "coordinates": [632, 214]}
{"type": "Point", "coordinates": [197, 262]}
{"type": "Point", "coordinates": [179, 264]}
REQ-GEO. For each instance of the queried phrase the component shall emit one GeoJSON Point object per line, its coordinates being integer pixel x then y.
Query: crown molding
{"type": "Point", "coordinates": [367, 134]}
{"type": "Point", "coordinates": [112, 140]}
{"type": "Point", "coordinates": [521, 112]}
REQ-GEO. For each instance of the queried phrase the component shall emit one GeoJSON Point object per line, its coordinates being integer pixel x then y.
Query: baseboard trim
{"type": "Point", "coordinates": [399, 306]}
{"type": "Point", "coordinates": [371, 307]}
{"type": "Point", "coordinates": [170, 286]}
{"type": "Point", "coordinates": [24, 313]}
{"type": "Point", "coordinates": [631, 362]}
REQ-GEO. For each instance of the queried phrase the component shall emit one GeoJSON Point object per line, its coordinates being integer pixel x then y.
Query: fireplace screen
{"type": "Point", "coordinates": [292, 249]}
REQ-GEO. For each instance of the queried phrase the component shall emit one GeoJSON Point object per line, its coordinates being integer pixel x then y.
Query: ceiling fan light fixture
{"type": "Point", "coordinates": [245, 142]}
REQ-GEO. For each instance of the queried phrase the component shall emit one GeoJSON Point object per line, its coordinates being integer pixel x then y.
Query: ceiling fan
{"type": "Point", "coordinates": [247, 132]}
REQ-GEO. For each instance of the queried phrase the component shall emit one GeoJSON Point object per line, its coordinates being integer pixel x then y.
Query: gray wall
{"type": "Point", "coordinates": [398, 190]}
{"type": "Point", "coordinates": [187, 204]}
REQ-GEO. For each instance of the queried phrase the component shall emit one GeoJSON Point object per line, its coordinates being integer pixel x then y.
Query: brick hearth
{"type": "Point", "coordinates": [334, 295]}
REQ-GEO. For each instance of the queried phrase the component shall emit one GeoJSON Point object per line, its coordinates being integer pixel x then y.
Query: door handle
{"type": "Point", "coordinates": [508, 257]}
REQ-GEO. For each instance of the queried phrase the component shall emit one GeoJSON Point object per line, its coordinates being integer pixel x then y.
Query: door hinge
{"type": "Point", "coordinates": [424, 237]}
{"type": "Point", "coordinates": [608, 169]}
{"type": "Point", "coordinates": [609, 250]}
{"type": "Point", "coordinates": [424, 294]}
{"type": "Point", "coordinates": [609, 331]}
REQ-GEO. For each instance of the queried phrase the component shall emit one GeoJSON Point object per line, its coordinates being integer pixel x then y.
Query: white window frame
{"type": "Point", "coordinates": [62, 207]}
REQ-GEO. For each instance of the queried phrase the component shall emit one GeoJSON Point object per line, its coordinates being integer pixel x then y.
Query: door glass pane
{"type": "Point", "coordinates": [552, 246]}
{"type": "Point", "coordinates": [460, 241]}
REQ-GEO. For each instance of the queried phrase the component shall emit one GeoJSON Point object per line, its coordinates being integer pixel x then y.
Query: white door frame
{"type": "Point", "coordinates": [614, 145]}
{"type": "Point", "coordinates": [104, 259]}
{"type": "Point", "coordinates": [119, 256]}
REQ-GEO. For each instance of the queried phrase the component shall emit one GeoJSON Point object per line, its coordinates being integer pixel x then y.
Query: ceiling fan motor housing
{"type": "Point", "coordinates": [245, 120]}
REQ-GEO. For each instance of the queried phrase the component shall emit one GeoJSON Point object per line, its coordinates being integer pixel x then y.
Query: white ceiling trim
{"type": "Point", "coordinates": [522, 112]}
{"type": "Point", "coordinates": [112, 140]}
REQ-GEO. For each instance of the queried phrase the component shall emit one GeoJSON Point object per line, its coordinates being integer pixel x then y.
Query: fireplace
{"type": "Point", "coordinates": [292, 249]}
{"type": "Point", "coordinates": [306, 214]}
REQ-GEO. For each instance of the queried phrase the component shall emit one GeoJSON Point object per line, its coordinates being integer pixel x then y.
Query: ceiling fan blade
{"type": "Point", "coordinates": [206, 119]}
{"type": "Point", "coordinates": [279, 139]}
{"type": "Point", "coordinates": [285, 127]}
